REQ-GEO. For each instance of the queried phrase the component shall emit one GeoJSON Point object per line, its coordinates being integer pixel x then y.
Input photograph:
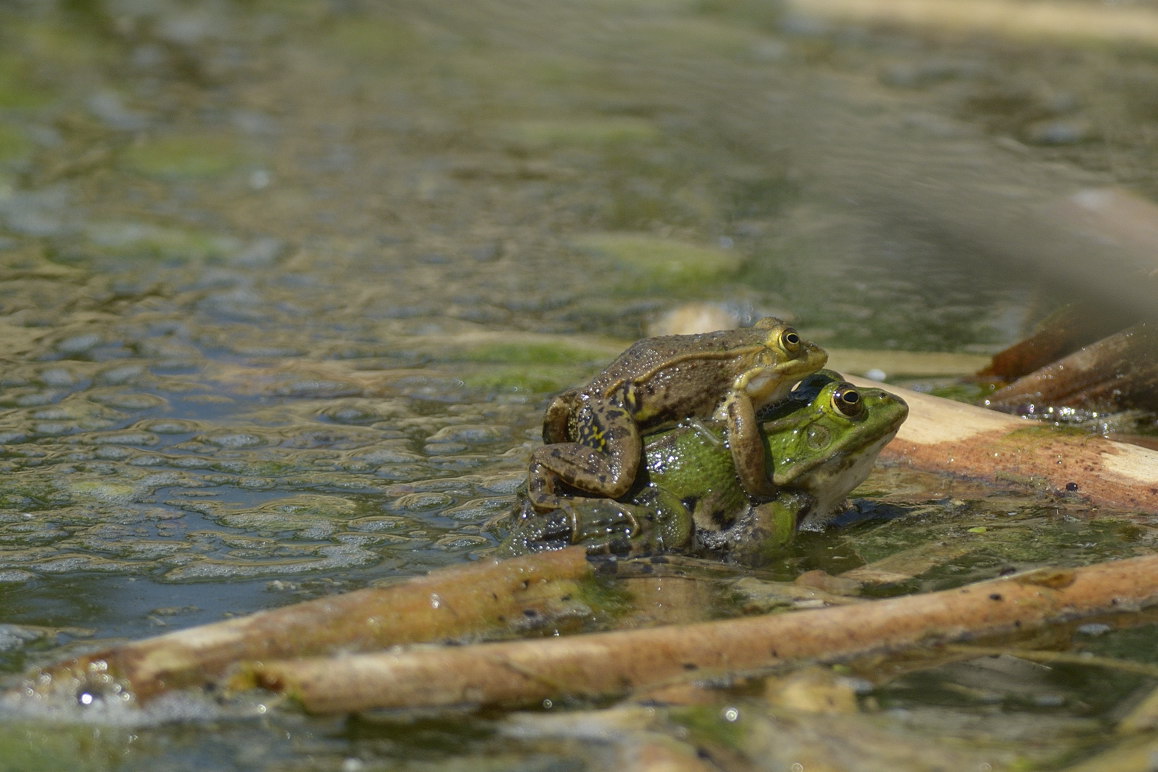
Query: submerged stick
{"type": "Point", "coordinates": [606, 664]}
{"type": "Point", "coordinates": [445, 604]}
{"type": "Point", "coordinates": [950, 437]}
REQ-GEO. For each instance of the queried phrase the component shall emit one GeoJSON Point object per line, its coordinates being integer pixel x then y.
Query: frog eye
{"type": "Point", "coordinates": [847, 400]}
{"type": "Point", "coordinates": [790, 339]}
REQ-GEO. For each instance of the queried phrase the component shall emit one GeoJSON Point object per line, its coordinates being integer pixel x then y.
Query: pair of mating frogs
{"type": "Point", "coordinates": [701, 442]}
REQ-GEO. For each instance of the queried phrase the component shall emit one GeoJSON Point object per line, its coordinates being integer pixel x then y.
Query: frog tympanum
{"type": "Point", "coordinates": [821, 442]}
{"type": "Point", "coordinates": [593, 433]}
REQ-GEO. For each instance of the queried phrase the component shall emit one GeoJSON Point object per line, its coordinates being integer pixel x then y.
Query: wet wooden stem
{"type": "Point", "coordinates": [446, 604]}
{"type": "Point", "coordinates": [606, 664]}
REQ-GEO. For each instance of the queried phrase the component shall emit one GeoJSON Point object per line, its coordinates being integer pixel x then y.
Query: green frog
{"type": "Point", "coordinates": [593, 434]}
{"type": "Point", "coordinates": [822, 441]}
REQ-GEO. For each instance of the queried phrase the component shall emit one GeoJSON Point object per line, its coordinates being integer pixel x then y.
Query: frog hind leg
{"type": "Point", "coordinates": [606, 526]}
{"type": "Point", "coordinates": [603, 460]}
{"type": "Point", "coordinates": [654, 521]}
{"type": "Point", "coordinates": [601, 526]}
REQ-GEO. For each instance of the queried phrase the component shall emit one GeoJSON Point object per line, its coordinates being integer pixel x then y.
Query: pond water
{"type": "Point", "coordinates": [286, 287]}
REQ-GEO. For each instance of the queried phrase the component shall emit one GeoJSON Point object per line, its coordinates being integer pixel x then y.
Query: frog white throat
{"type": "Point", "coordinates": [834, 480]}
{"type": "Point", "coordinates": [764, 385]}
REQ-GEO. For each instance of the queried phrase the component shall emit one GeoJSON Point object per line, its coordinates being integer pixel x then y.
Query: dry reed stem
{"type": "Point", "coordinates": [950, 437]}
{"type": "Point", "coordinates": [607, 664]}
{"type": "Point", "coordinates": [445, 604]}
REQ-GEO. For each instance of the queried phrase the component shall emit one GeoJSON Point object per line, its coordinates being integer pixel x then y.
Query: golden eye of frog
{"type": "Point", "coordinates": [593, 433]}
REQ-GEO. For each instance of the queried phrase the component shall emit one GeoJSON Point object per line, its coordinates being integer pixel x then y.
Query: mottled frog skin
{"type": "Point", "coordinates": [593, 434]}
{"type": "Point", "coordinates": [822, 442]}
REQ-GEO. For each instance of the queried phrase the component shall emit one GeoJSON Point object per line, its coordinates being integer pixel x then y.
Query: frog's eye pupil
{"type": "Point", "coordinates": [791, 338]}
{"type": "Point", "coordinates": [848, 402]}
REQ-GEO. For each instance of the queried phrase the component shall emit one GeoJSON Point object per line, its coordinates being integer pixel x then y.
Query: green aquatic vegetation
{"type": "Point", "coordinates": [14, 143]}
{"type": "Point", "coordinates": [657, 184]}
{"type": "Point", "coordinates": [377, 42]}
{"type": "Point", "coordinates": [997, 535]}
{"type": "Point", "coordinates": [315, 515]}
{"type": "Point", "coordinates": [102, 490]}
{"type": "Point", "coordinates": [46, 745]}
{"type": "Point", "coordinates": [73, 42]}
{"type": "Point", "coordinates": [552, 352]}
{"type": "Point", "coordinates": [533, 366]}
{"type": "Point", "coordinates": [642, 261]}
{"type": "Point", "coordinates": [146, 241]}
{"type": "Point", "coordinates": [599, 133]}
{"type": "Point", "coordinates": [193, 155]}
{"type": "Point", "coordinates": [707, 37]}
{"type": "Point", "coordinates": [713, 724]}
{"type": "Point", "coordinates": [18, 90]}
{"type": "Point", "coordinates": [521, 378]}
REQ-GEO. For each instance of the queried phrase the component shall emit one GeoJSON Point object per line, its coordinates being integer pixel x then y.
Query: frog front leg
{"type": "Point", "coordinates": [602, 460]}
{"type": "Point", "coordinates": [746, 442]}
{"type": "Point", "coordinates": [776, 521]}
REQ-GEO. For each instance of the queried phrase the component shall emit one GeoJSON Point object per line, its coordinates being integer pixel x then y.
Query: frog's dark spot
{"type": "Point", "coordinates": [690, 502]}
{"type": "Point", "coordinates": [1071, 486]}
{"type": "Point", "coordinates": [530, 613]}
{"type": "Point", "coordinates": [607, 565]}
{"type": "Point", "coordinates": [1007, 571]}
{"type": "Point", "coordinates": [691, 666]}
{"type": "Point", "coordinates": [996, 596]}
{"type": "Point", "coordinates": [619, 546]}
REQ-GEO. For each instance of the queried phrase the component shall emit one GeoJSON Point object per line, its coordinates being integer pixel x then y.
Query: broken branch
{"type": "Point", "coordinates": [446, 604]}
{"type": "Point", "coordinates": [607, 664]}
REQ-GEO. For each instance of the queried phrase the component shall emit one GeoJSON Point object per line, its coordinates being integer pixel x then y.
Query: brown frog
{"type": "Point", "coordinates": [593, 434]}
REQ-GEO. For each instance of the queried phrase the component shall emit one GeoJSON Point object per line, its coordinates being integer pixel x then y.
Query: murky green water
{"type": "Point", "coordinates": [285, 287]}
